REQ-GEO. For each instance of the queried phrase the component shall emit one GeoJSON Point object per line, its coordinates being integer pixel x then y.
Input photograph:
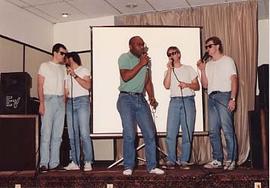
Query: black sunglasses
{"type": "Point", "coordinates": [172, 53]}
{"type": "Point", "coordinates": [63, 53]}
{"type": "Point", "coordinates": [209, 46]}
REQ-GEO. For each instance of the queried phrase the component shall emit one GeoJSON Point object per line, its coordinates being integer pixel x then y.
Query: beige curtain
{"type": "Point", "coordinates": [236, 25]}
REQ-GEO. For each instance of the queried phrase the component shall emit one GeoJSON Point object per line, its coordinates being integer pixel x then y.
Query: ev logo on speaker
{"type": "Point", "coordinates": [12, 102]}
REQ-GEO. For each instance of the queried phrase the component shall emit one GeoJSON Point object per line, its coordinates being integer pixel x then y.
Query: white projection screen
{"type": "Point", "coordinates": [109, 42]}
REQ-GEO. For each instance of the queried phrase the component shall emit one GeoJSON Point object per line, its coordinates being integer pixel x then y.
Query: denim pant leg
{"type": "Point", "coordinates": [73, 132]}
{"type": "Point", "coordinates": [173, 125]}
{"type": "Point", "coordinates": [57, 132]}
{"type": "Point", "coordinates": [226, 119]}
{"type": "Point", "coordinates": [214, 130]}
{"type": "Point", "coordinates": [147, 126]}
{"type": "Point", "coordinates": [188, 113]}
{"type": "Point", "coordinates": [126, 109]}
{"type": "Point", "coordinates": [84, 117]}
{"type": "Point", "coordinates": [46, 129]}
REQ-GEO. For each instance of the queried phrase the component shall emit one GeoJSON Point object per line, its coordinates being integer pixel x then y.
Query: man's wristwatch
{"type": "Point", "coordinates": [232, 98]}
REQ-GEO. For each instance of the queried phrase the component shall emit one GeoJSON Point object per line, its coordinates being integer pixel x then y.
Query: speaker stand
{"type": "Point", "coordinates": [139, 158]}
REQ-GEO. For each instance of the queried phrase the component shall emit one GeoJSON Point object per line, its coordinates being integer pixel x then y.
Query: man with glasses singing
{"type": "Point", "coordinates": [133, 108]}
{"type": "Point", "coordinates": [182, 80]}
{"type": "Point", "coordinates": [219, 76]}
{"type": "Point", "coordinates": [51, 108]}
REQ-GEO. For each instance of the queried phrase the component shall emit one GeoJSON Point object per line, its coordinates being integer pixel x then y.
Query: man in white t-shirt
{"type": "Point", "coordinates": [52, 108]}
{"type": "Point", "coordinates": [219, 76]}
{"type": "Point", "coordinates": [182, 80]}
{"type": "Point", "coordinates": [77, 84]}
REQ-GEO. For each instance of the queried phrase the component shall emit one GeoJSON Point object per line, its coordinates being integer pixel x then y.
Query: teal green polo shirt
{"type": "Point", "coordinates": [136, 84]}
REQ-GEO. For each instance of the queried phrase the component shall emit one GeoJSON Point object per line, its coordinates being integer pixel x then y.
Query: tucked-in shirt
{"type": "Point", "coordinates": [136, 84]}
{"type": "Point", "coordinates": [54, 75]}
{"type": "Point", "coordinates": [184, 73]}
{"type": "Point", "coordinates": [74, 88]}
{"type": "Point", "coordinates": [219, 74]}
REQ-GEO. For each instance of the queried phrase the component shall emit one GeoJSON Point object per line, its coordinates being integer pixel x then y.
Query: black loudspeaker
{"type": "Point", "coordinates": [263, 80]}
{"type": "Point", "coordinates": [19, 142]}
{"type": "Point", "coordinates": [15, 92]}
{"type": "Point", "coordinates": [259, 136]}
{"type": "Point", "coordinates": [255, 141]}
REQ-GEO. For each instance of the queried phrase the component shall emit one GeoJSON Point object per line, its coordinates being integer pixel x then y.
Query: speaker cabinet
{"type": "Point", "coordinates": [259, 136]}
{"type": "Point", "coordinates": [19, 142]}
{"type": "Point", "coordinates": [263, 83]}
{"type": "Point", "coordinates": [15, 92]}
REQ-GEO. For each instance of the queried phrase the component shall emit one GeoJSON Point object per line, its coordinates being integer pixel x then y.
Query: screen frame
{"type": "Point", "coordinates": [119, 134]}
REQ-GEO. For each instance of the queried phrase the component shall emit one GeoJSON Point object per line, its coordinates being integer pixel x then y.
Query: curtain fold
{"type": "Point", "coordinates": [236, 25]}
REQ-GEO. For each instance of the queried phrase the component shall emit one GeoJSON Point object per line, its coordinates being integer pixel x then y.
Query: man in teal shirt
{"type": "Point", "coordinates": [133, 107]}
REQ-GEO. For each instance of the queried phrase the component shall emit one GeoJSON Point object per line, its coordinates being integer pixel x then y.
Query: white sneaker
{"type": "Point", "coordinates": [229, 165]}
{"type": "Point", "coordinates": [72, 166]}
{"type": "Point", "coordinates": [127, 172]}
{"type": "Point", "coordinates": [213, 164]}
{"type": "Point", "coordinates": [87, 166]}
{"type": "Point", "coordinates": [156, 171]}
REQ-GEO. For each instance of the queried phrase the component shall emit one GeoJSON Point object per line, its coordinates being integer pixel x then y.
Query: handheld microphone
{"type": "Point", "coordinates": [145, 50]}
{"type": "Point", "coordinates": [172, 62]}
{"type": "Point", "coordinates": [205, 56]}
{"type": "Point", "coordinates": [67, 66]}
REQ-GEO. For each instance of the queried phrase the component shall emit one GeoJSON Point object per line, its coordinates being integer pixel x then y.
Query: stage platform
{"type": "Point", "coordinates": [101, 177]}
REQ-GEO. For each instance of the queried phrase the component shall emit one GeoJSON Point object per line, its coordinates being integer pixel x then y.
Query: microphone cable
{"type": "Point", "coordinates": [185, 113]}
{"type": "Point", "coordinates": [225, 106]}
{"type": "Point", "coordinates": [72, 120]}
{"type": "Point", "coordinates": [234, 136]}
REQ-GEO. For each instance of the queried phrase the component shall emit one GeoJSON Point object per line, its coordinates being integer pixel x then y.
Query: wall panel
{"type": "Point", "coordinates": [11, 56]}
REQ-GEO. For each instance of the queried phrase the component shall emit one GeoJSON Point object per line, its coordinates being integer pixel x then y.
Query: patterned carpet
{"type": "Point", "coordinates": [101, 177]}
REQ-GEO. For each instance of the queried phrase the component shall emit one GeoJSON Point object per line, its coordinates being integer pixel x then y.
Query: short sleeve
{"type": "Point", "coordinates": [123, 62]}
{"type": "Point", "coordinates": [41, 70]}
{"type": "Point", "coordinates": [193, 73]}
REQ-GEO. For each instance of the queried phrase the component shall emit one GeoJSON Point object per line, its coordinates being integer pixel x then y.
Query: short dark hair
{"type": "Point", "coordinates": [75, 56]}
{"type": "Point", "coordinates": [132, 38]}
{"type": "Point", "coordinates": [216, 41]}
{"type": "Point", "coordinates": [57, 47]}
{"type": "Point", "coordinates": [173, 48]}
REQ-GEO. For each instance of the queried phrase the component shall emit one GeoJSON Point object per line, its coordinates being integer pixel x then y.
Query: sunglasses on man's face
{"type": "Point", "coordinates": [172, 53]}
{"type": "Point", "coordinates": [63, 53]}
{"type": "Point", "coordinates": [209, 46]}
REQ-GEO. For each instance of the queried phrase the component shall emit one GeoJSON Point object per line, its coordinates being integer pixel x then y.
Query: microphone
{"type": "Point", "coordinates": [205, 56]}
{"type": "Point", "coordinates": [67, 66]}
{"type": "Point", "coordinates": [145, 51]}
{"type": "Point", "coordinates": [172, 62]}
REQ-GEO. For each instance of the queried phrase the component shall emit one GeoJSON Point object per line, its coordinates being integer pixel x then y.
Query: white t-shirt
{"type": "Point", "coordinates": [185, 73]}
{"type": "Point", "coordinates": [78, 90]}
{"type": "Point", "coordinates": [219, 74]}
{"type": "Point", "coordinates": [54, 75]}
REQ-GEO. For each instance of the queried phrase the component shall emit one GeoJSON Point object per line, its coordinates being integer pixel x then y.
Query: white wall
{"type": "Point", "coordinates": [76, 35]}
{"type": "Point", "coordinates": [20, 25]}
{"type": "Point", "coordinates": [263, 45]}
{"type": "Point", "coordinates": [263, 40]}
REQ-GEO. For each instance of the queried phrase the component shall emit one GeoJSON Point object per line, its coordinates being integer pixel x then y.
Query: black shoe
{"type": "Point", "coordinates": [43, 169]}
{"type": "Point", "coordinates": [58, 168]}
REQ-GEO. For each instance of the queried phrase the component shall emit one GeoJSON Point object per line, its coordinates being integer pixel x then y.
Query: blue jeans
{"type": "Point", "coordinates": [221, 118]}
{"type": "Point", "coordinates": [182, 113]}
{"type": "Point", "coordinates": [52, 130]}
{"type": "Point", "coordinates": [78, 128]}
{"type": "Point", "coordinates": [134, 110]}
